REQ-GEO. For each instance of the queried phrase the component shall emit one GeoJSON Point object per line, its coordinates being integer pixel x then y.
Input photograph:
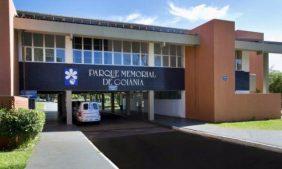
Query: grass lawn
{"type": "Point", "coordinates": [261, 125]}
{"type": "Point", "coordinates": [17, 159]}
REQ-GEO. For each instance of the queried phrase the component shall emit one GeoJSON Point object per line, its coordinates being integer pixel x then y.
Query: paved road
{"type": "Point", "coordinates": [147, 146]}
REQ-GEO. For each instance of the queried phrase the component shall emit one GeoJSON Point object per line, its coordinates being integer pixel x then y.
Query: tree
{"type": "Point", "coordinates": [275, 81]}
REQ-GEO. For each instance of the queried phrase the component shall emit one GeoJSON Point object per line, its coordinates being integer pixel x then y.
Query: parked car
{"type": "Point", "coordinates": [86, 112]}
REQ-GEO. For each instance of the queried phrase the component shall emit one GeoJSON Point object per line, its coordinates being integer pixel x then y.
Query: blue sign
{"type": "Point", "coordinates": [32, 94]}
{"type": "Point", "coordinates": [113, 88]}
{"type": "Point", "coordinates": [224, 77]}
{"type": "Point", "coordinates": [71, 77]}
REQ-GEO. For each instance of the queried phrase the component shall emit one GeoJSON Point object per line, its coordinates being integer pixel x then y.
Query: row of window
{"type": "Point", "coordinates": [43, 48]}
{"type": "Point", "coordinates": [109, 52]}
{"type": "Point", "coordinates": [168, 95]}
{"type": "Point", "coordinates": [51, 48]}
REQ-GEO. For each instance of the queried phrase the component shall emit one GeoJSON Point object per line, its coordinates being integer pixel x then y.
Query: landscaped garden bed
{"type": "Point", "coordinates": [19, 132]}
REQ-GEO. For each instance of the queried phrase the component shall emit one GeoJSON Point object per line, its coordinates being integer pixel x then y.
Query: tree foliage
{"type": "Point", "coordinates": [275, 81]}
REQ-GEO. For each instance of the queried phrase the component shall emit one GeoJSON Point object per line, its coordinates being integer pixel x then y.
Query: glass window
{"type": "Point", "coordinates": [158, 60]}
{"type": "Point", "coordinates": [77, 43]}
{"type": "Point", "coordinates": [126, 46]}
{"type": "Point", "coordinates": [38, 40]}
{"type": "Point", "coordinates": [77, 56]}
{"type": "Point", "coordinates": [127, 59]}
{"type": "Point", "coordinates": [49, 55]}
{"type": "Point", "coordinates": [165, 49]}
{"type": "Point", "coordinates": [179, 61]}
{"type": "Point", "coordinates": [97, 57]}
{"type": "Point", "coordinates": [98, 44]}
{"type": "Point", "coordinates": [144, 47]}
{"type": "Point", "coordinates": [117, 46]}
{"type": "Point", "coordinates": [38, 54]}
{"type": "Point", "coordinates": [165, 61]}
{"type": "Point", "coordinates": [157, 48]}
{"type": "Point", "coordinates": [87, 57]}
{"type": "Point", "coordinates": [144, 59]}
{"type": "Point", "coordinates": [117, 58]}
{"type": "Point", "coordinates": [49, 41]}
{"type": "Point", "coordinates": [173, 50]}
{"type": "Point", "coordinates": [60, 55]}
{"type": "Point", "coordinates": [87, 43]}
{"type": "Point", "coordinates": [27, 39]}
{"type": "Point", "coordinates": [179, 51]}
{"type": "Point", "coordinates": [28, 54]}
{"type": "Point", "coordinates": [85, 106]}
{"type": "Point", "coordinates": [108, 58]}
{"type": "Point", "coordinates": [136, 59]}
{"type": "Point", "coordinates": [173, 61]}
{"type": "Point", "coordinates": [135, 47]}
{"type": "Point", "coordinates": [60, 41]}
{"type": "Point", "coordinates": [107, 45]}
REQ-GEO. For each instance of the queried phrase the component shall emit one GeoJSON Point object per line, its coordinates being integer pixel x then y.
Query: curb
{"type": "Point", "coordinates": [225, 139]}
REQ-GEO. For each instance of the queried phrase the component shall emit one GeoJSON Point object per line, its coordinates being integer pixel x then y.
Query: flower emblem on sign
{"type": "Point", "coordinates": [71, 78]}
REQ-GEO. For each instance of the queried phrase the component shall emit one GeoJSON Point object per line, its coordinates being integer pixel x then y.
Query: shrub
{"type": "Point", "coordinates": [20, 125]}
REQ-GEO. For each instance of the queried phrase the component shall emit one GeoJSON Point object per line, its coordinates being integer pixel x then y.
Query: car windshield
{"type": "Point", "coordinates": [95, 106]}
{"type": "Point", "coordinates": [85, 106]}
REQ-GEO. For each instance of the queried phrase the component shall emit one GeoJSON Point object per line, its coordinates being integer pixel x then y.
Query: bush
{"type": "Point", "coordinates": [20, 125]}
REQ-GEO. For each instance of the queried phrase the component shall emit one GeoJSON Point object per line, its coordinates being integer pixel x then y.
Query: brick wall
{"type": "Point", "coordinates": [15, 102]}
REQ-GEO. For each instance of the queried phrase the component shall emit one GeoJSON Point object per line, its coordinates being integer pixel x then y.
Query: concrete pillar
{"type": "Point", "coordinates": [151, 105]}
{"type": "Point", "coordinates": [151, 59]}
{"type": "Point", "coordinates": [69, 57]}
{"type": "Point", "coordinates": [265, 73]}
{"type": "Point", "coordinates": [68, 102]}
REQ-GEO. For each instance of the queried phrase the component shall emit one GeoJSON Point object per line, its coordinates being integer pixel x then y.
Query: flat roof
{"type": "Point", "coordinates": [84, 21]}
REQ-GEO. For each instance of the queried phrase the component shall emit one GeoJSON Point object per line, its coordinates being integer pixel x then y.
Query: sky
{"type": "Point", "coordinates": [254, 15]}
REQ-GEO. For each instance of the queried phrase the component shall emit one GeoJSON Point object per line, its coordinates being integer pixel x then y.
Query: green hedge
{"type": "Point", "coordinates": [20, 125]}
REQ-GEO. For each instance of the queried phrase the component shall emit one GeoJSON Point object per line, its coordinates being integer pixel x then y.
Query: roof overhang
{"type": "Point", "coordinates": [103, 32]}
{"type": "Point", "coordinates": [263, 46]}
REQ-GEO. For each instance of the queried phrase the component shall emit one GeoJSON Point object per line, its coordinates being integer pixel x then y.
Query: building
{"type": "Point", "coordinates": [210, 73]}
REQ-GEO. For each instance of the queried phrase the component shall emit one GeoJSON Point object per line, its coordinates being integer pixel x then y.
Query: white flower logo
{"type": "Point", "coordinates": [71, 75]}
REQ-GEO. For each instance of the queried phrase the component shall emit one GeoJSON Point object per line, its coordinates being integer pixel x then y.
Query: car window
{"type": "Point", "coordinates": [95, 106]}
{"type": "Point", "coordinates": [85, 106]}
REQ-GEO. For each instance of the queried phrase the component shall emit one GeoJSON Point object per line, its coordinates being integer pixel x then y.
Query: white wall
{"type": "Point", "coordinates": [245, 61]}
{"type": "Point", "coordinates": [175, 108]}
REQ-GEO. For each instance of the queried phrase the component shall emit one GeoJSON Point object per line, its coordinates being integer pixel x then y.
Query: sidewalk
{"type": "Point", "coordinates": [265, 139]}
{"type": "Point", "coordinates": [68, 149]}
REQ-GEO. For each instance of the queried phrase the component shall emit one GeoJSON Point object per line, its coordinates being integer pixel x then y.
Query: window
{"type": "Point", "coordinates": [158, 60]}
{"type": "Point", "coordinates": [85, 106]}
{"type": "Point", "coordinates": [126, 53]}
{"type": "Point", "coordinates": [77, 56]}
{"type": "Point", "coordinates": [166, 61]}
{"type": "Point", "coordinates": [27, 39]}
{"type": "Point", "coordinates": [98, 44]}
{"type": "Point", "coordinates": [179, 61]}
{"type": "Point", "coordinates": [87, 43]}
{"type": "Point", "coordinates": [77, 43]}
{"type": "Point", "coordinates": [49, 41]}
{"type": "Point", "coordinates": [60, 55]}
{"type": "Point", "coordinates": [38, 40]}
{"type": "Point", "coordinates": [127, 59]}
{"type": "Point", "coordinates": [87, 56]}
{"type": "Point", "coordinates": [238, 61]}
{"type": "Point", "coordinates": [172, 61]}
{"type": "Point", "coordinates": [49, 55]}
{"type": "Point", "coordinates": [60, 41]}
{"type": "Point", "coordinates": [157, 48]}
{"type": "Point", "coordinates": [117, 52]}
{"type": "Point", "coordinates": [28, 54]}
{"type": "Point", "coordinates": [108, 52]}
{"type": "Point", "coordinates": [168, 95]}
{"type": "Point", "coordinates": [97, 57]}
{"type": "Point", "coordinates": [38, 54]}
{"type": "Point", "coordinates": [44, 47]}
{"type": "Point", "coordinates": [144, 59]}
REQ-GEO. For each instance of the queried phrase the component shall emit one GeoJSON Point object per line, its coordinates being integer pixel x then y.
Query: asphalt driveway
{"type": "Point", "coordinates": [142, 145]}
